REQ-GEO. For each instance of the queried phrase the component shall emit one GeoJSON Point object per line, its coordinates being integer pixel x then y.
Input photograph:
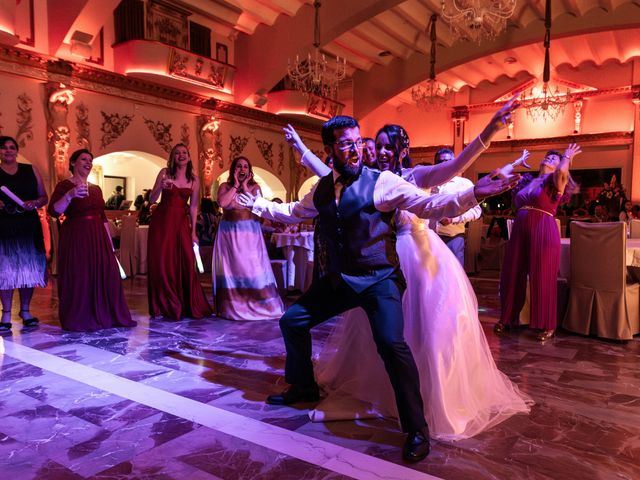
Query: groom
{"type": "Point", "coordinates": [356, 207]}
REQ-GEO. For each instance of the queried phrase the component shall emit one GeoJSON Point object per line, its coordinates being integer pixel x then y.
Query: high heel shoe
{"type": "Point", "coordinates": [5, 326]}
{"type": "Point", "coordinates": [501, 329]}
{"type": "Point", "coordinates": [31, 321]}
{"type": "Point", "coordinates": [545, 335]}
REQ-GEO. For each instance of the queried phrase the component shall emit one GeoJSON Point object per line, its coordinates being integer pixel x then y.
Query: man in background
{"type": "Point", "coordinates": [451, 230]}
{"type": "Point", "coordinates": [114, 201]}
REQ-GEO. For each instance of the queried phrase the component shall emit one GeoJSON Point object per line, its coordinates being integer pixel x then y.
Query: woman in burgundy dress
{"type": "Point", "coordinates": [173, 286]}
{"type": "Point", "coordinates": [90, 294]}
{"type": "Point", "coordinates": [534, 247]}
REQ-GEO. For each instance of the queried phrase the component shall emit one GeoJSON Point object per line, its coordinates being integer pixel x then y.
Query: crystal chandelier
{"type": "Point", "coordinates": [432, 95]}
{"type": "Point", "coordinates": [546, 103]}
{"type": "Point", "coordinates": [312, 75]}
{"type": "Point", "coordinates": [477, 19]}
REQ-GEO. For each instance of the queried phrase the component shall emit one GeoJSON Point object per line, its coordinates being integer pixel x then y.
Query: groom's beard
{"type": "Point", "coordinates": [349, 169]}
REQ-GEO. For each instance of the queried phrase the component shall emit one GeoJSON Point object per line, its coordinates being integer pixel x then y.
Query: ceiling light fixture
{"type": "Point", "coordinates": [431, 95]}
{"type": "Point", "coordinates": [476, 20]}
{"type": "Point", "coordinates": [312, 75]}
{"type": "Point", "coordinates": [546, 103]}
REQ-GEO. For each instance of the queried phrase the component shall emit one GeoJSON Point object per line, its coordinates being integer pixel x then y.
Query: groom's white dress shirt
{"type": "Point", "coordinates": [390, 192]}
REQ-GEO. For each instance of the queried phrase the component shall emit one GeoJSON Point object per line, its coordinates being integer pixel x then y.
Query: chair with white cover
{"type": "Point", "coordinates": [127, 253]}
{"type": "Point", "coordinates": [601, 300]}
{"type": "Point", "coordinates": [634, 229]}
{"type": "Point", "coordinates": [559, 224]}
{"type": "Point", "coordinates": [473, 240]}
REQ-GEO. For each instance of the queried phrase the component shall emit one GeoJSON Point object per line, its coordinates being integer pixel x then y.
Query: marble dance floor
{"type": "Point", "coordinates": [184, 400]}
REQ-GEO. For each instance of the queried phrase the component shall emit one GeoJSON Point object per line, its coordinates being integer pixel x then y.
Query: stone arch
{"type": "Point", "coordinates": [270, 185]}
{"type": "Point", "coordinates": [139, 168]}
{"type": "Point", "coordinates": [306, 186]}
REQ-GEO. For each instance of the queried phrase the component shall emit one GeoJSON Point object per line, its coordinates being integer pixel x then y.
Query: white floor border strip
{"type": "Point", "coordinates": [318, 452]}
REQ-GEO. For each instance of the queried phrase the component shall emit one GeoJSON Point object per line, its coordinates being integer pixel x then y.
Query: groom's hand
{"type": "Point", "coordinates": [246, 200]}
{"type": "Point", "coordinates": [492, 185]}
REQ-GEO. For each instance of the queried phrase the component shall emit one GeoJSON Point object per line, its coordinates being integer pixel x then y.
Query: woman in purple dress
{"type": "Point", "coordinates": [533, 250]}
{"type": "Point", "coordinates": [90, 291]}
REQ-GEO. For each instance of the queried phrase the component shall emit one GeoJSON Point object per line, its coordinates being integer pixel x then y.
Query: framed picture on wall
{"type": "Point", "coordinates": [222, 53]}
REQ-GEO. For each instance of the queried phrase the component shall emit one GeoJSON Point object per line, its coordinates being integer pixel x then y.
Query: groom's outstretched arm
{"type": "Point", "coordinates": [392, 192]}
{"type": "Point", "coordinates": [292, 212]}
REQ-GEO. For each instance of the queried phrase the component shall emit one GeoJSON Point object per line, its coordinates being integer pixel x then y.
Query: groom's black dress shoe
{"type": "Point", "coordinates": [295, 394]}
{"type": "Point", "coordinates": [416, 447]}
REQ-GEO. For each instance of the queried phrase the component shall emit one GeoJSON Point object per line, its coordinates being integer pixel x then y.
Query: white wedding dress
{"type": "Point", "coordinates": [464, 393]}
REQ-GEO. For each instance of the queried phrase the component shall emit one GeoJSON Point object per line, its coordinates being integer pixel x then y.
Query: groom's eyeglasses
{"type": "Point", "coordinates": [346, 145]}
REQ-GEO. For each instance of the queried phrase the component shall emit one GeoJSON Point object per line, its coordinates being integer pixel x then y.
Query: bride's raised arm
{"type": "Point", "coordinates": [432, 175]}
{"type": "Point", "coordinates": [307, 158]}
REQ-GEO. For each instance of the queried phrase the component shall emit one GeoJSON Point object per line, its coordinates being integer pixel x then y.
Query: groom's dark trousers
{"type": "Point", "coordinates": [330, 296]}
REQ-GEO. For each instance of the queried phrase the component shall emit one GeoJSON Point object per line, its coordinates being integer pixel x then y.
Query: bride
{"type": "Point", "coordinates": [464, 392]}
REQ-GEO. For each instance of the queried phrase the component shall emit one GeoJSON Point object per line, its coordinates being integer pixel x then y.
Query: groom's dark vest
{"type": "Point", "coordinates": [360, 240]}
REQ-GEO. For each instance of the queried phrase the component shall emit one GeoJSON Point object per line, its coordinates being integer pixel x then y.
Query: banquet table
{"type": "Point", "coordinates": [632, 261]}
{"type": "Point", "coordinates": [298, 253]}
{"type": "Point", "coordinates": [142, 235]}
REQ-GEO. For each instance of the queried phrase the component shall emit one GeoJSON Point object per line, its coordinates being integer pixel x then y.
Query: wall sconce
{"type": "Point", "coordinates": [63, 95]}
{"type": "Point", "coordinates": [211, 125]}
{"type": "Point", "coordinates": [577, 115]}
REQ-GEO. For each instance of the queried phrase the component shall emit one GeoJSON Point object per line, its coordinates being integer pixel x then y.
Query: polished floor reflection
{"type": "Point", "coordinates": [184, 400]}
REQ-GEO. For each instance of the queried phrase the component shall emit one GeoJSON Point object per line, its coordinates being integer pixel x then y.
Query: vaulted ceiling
{"type": "Point", "coordinates": [385, 43]}
{"type": "Point", "coordinates": [583, 32]}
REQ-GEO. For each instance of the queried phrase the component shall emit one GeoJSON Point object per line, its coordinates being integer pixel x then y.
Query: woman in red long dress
{"type": "Point", "coordinates": [533, 250]}
{"type": "Point", "coordinates": [173, 286]}
{"type": "Point", "coordinates": [90, 294]}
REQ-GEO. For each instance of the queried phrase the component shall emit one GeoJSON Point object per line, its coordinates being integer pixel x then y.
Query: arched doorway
{"type": "Point", "coordinates": [307, 185]}
{"type": "Point", "coordinates": [270, 185]}
{"type": "Point", "coordinates": [138, 169]}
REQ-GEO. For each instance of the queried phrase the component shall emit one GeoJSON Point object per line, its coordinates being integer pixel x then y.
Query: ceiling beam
{"type": "Point", "coordinates": [381, 83]}
{"type": "Point", "coordinates": [261, 58]}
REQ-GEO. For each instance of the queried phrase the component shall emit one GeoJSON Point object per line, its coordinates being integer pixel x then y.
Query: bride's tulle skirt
{"type": "Point", "coordinates": [464, 393]}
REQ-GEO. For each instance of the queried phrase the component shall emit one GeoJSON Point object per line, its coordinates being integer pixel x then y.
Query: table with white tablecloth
{"type": "Point", "coordinates": [632, 256]}
{"type": "Point", "coordinates": [298, 253]}
{"type": "Point", "coordinates": [142, 235]}
{"type": "Point", "coordinates": [632, 261]}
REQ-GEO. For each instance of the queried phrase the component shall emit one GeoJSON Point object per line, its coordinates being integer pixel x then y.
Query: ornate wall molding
{"type": "Point", "coordinates": [58, 98]}
{"type": "Point", "coordinates": [323, 106]}
{"type": "Point", "coordinates": [24, 120]}
{"type": "Point", "coordinates": [184, 134]}
{"type": "Point", "coordinates": [280, 167]}
{"type": "Point", "coordinates": [266, 150]}
{"type": "Point", "coordinates": [219, 149]}
{"type": "Point", "coordinates": [201, 70]}
{"type": "Point", "coordinates": [113, 125]}
{"type": "Point", "coordinates": [259, 118]}
{"type": "Point", "coordinates": [83, 139]}
{"type": "Point", "coordinates": [209, 150]}
{"type": "Point", "coordinates": [161, 133]}
{"type": "Point", "coordinates": [296, 178]}
{"type": "Point", "coordinates": [236, 146]}
{"type": "Point", "coordinates": [33, 65]}
{"type": "Point", "coordinates": [585, 140]}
